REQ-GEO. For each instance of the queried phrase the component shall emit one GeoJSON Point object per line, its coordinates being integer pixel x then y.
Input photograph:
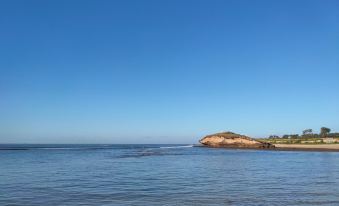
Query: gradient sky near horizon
{"type": "Point", "coordinates": [155, 71]}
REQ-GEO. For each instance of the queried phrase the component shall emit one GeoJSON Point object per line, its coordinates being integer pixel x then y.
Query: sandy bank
{"type": "Point", "coordinates": [312, 147]}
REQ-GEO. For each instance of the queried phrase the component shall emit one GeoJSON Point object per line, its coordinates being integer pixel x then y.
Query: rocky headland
{"type": "Point", "coordinates": [233, 140]}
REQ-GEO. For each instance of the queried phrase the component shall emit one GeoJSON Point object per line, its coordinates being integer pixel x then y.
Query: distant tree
{"type": "Point", "coordinates": [290, 136]}
{"type": "Point", "coordinates": [273, 137]}
{"type": "Point", "coordinates": [333, 135]}
{"type": "Point", "coordinates": [286, 136]}
{"type": "Point", "coordinates": [314, 136]}
{"type": "Point", "coordinates": [324, 131]}
{"type": "Point", "coordinates": [294, 136]}
{"type": "Point", "coordinates": [307, 131]}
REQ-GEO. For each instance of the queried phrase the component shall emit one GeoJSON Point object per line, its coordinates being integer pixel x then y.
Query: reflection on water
{"type": "Point", "coordinates": [165, 175]}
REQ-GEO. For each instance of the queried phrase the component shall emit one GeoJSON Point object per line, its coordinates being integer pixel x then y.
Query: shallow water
{"type": "Point", "coordinates": [165, 175]}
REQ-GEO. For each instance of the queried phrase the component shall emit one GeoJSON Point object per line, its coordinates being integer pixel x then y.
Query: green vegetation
{"type": "Point", "coordinates": [295, 141]}
{"type": "Point", "coordinates": [324, 131]}
{"type": "Point", "coordinates": [307, 137]}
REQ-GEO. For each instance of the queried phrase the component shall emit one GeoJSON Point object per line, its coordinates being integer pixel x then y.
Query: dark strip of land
{"type": "Point", "coordinates": [308, 147]}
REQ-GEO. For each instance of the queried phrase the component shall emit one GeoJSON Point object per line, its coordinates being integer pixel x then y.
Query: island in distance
{"type": "Point", "coordinates": [308, 141]}
{"type": "Point", "coordinates": [233, 140]}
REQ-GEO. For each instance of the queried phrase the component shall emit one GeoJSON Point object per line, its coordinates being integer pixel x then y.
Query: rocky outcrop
{"type": "Point", "coordinates": [232, 140]}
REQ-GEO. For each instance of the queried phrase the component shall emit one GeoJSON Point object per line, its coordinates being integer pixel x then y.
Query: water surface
{"type": "Point", "coordinates": [165, 175]}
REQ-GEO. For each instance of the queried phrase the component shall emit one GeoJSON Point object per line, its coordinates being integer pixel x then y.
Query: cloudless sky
{"type": "Point", "coordinates": [166, 71]}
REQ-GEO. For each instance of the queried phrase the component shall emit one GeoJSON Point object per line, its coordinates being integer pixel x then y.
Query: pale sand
{"type": "Point", "coordinates": [308, 146]}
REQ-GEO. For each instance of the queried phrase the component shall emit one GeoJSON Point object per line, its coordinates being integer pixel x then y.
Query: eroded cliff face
{"type": "Point", "coordinates": [232, 140]}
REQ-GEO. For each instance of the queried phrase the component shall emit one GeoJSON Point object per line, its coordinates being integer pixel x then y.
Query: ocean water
{"type": "Point", "coordinates": [165, 175]}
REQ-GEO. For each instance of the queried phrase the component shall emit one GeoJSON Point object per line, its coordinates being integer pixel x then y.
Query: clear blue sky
{"type": "Point", "coordinates": [166, 71]}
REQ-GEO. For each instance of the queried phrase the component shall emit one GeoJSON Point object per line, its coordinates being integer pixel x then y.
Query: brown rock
{"type": "Point", "coordinates": [232, 140]}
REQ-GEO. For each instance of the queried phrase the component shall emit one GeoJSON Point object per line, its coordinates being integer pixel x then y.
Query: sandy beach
{"type": "Point", "coordinates": [312, 147]}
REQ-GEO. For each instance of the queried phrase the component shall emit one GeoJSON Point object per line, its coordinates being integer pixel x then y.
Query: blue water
{"type": "Point", "coordinates": [165, 175]}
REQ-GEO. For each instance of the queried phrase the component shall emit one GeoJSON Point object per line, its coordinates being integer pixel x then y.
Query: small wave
{"type": "Point", "coordinates": [60, 148]}
{"type": "Point", "coordinates": [175, 147]}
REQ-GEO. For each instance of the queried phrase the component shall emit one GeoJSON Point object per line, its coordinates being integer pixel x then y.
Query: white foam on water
{"type": "Point", "coordinates": [175, 147]}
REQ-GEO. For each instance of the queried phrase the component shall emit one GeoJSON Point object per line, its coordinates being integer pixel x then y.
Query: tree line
{"type": "Point", "coordinates": [308, 133]}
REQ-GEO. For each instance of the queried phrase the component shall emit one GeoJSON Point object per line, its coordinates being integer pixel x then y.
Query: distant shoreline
{"type": "Point", "coordinates": [290, 147]}
{"type": "Point", "coordinates": [308, 147]}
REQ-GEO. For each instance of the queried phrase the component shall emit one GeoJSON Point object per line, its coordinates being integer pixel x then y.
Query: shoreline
{"type": "Point", "coordinates": [308, 147]}
{"type": "Point", "coordinates": [290, 147]}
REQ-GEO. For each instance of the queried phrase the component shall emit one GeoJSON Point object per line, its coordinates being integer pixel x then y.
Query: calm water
{"type": "Point", "coordinates": [165, 175]}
